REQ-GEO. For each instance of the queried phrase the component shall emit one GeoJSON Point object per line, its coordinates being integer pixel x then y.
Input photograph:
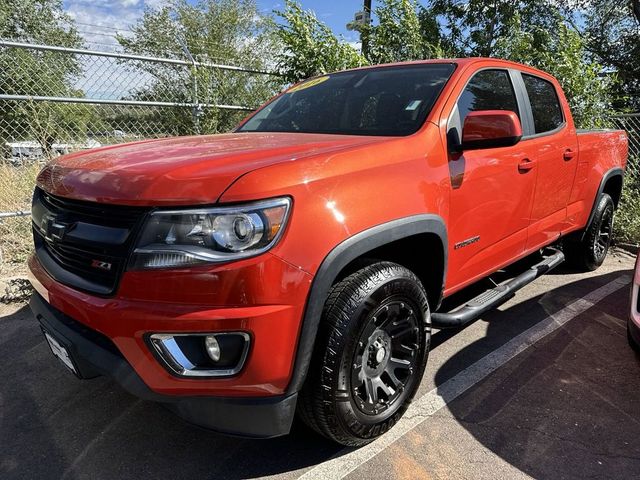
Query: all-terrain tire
{"type": "Point", "coordinates": [374, 335]}
{"type": "Point", "coordinates": [587, 252]}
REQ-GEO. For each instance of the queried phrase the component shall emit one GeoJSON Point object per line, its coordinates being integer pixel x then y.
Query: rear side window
{"type": "Point", "coordinates": [545, 106]}
{"type": "Point", "coordinates": [488, 90]}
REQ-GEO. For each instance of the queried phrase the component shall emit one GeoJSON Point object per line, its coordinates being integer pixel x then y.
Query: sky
{"type": "Point", "coordinates": [99, 20]}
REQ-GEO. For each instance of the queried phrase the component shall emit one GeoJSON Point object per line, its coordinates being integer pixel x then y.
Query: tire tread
{"type": "Point", "coordinates": [344, 297]}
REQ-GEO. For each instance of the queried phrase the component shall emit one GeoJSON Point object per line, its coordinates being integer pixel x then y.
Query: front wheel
{"type": "Point", "coordinates": [589, 252]}
{"type": "Point", "coordinates": [370, 354]}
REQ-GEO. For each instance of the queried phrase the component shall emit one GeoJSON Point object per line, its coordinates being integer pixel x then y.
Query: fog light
{"type": "Point", "coordinates": [220, 354]}
{"type": "Point", "coordinates": [213, 349]}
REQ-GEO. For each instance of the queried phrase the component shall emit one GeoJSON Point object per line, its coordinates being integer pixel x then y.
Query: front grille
{"type": "Point", "coordinates": [84, 244]}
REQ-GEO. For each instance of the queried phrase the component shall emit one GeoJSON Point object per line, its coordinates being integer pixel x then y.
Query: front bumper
{"type": "Point", "coordinates": [95, 354]}
{"type": "Point", "coordinates": [263, 297]}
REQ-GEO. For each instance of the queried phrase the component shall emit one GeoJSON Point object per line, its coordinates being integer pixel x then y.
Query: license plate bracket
{"type": "Point", "coordinates": [60, 351]}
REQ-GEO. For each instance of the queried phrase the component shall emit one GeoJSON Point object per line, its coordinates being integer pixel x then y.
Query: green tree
{"type": "Point", "coordinates": [39, 73]}
{"type": "Point", "coordinates": [561, 52]}
{"type": "Point", "coordinates": [309, 47]}
{"type": "Point", "coordinates": [209, 31]}
{"type": "Point", "coordinates": [40, 21]}
{"type": "Point", "coordinates": [436, 43]}
{"type": "Point", "coordinates": [474, 27]}
{"type": "Point", "coordinates": [397, 36]}
{"type": "Point", "coordinates": [535, 33]}
{"type": "Point", "coordinates": [611, 31]}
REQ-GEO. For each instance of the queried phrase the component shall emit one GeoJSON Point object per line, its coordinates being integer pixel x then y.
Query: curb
{"type": "Point", "coordinates": [632, 248]}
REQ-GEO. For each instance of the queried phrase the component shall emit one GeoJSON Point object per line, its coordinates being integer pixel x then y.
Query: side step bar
{"type": "Point", "coordinates": [495, 296]}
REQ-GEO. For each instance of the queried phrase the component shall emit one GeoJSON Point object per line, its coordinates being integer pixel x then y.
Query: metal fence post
{"type": "Point", "coordinates": [197, 109]}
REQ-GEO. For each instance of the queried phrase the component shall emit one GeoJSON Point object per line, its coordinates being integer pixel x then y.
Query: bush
{"type": "Point", "coordinates": [627, 222]}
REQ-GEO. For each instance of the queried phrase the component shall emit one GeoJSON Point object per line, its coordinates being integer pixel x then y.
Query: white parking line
{"type": "Point", "coordinates": [347, 460]}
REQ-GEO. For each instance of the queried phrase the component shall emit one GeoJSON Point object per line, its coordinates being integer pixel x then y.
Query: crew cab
{"type": "Point", "coordinates": [299, 263]}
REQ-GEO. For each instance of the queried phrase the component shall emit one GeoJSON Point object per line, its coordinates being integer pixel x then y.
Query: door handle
{"type": "Point", "coordinates": [525, 165]}
{"type": "Point", "coordinates": [568, 154]}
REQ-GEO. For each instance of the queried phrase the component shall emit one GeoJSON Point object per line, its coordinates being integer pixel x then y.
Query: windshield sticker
{"type": "Point", "coordinates": [309, 84]}
{"type": "Point", "coordinates": [413, 105]}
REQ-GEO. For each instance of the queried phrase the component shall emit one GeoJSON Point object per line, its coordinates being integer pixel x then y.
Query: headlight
{"type": "Point", "coordinates": [182, 238]}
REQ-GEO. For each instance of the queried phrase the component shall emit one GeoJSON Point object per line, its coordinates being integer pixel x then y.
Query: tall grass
{"type": "Point", "coordinates": [16, 188]}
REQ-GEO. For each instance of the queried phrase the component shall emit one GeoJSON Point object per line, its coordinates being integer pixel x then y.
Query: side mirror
{"type": "Point", "coordinates": [490, 128]}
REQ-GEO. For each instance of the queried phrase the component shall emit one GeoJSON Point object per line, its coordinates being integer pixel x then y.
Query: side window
{"type": "Point", "coordinates": [545, 106]}
{"type": "Point", "coordinates": [488, 90]}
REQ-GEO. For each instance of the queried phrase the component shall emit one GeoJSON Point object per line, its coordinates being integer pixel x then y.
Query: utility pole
{"type": "Point", "coordinates": [361, 23]}
{"type": "Point", "coordinates": [364, 34]}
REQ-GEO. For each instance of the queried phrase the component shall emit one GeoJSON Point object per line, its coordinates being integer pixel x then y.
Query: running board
{"type": "Point", "coordinates": [497, 295]}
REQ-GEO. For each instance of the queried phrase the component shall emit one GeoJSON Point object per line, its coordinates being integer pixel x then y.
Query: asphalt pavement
{"type": "Point", "coordinates": [544, 387]}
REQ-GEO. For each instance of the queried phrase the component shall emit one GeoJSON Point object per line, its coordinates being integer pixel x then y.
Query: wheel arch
{"type": "Point", "coordinates": [392, 241]}
{"type": "Point", "coordinates": [613, 187]}
{"type": "Point", "coordinates": [610, 184]}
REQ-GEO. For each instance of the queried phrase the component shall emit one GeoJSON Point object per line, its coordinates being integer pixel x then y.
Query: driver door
{"type": "Point", "coordinates": [491, 189]}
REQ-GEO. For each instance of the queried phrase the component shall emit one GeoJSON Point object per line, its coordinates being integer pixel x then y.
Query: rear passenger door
{"type": "Point", "coordinates": [553, 146]}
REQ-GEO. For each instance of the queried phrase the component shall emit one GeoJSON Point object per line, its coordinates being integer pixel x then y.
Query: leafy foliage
{"type": "Point", "coordinates": [39, 72]}
{"type": "Point", "coordinates": [40, 21]}
{"type": "Point", "coordinates": [534, 33]}
{"type": "Point", "coordinates": [474, 27]}
{"type": "Point", "coordinates": [611, 30]}
{"type": "Point", "coordinates": [397, 36]}
{"type": "Point", "coordinates": [309, 47]}
{"type": "Point", "coordinates": [405, 31]}
{"type": "Point", "coordinates": [627, 222]}
{"type": "Point", "coordinates": [218, 31]}
{"type": "Point", "coordinates": [612, 33]}
{"type": "Point", "coordinates": [561, 52]}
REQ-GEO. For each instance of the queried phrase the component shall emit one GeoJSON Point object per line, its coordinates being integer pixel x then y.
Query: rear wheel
{"type": "Point", "coordinates": [370, 354]}
{"type": "Point", "coordinates": [589, 252]}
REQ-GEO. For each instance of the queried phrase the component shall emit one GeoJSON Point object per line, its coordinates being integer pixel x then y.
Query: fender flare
{"type": "Point", "coordinates": [338, 258]}
{"type": "Point", "coordinates": [614, 172]}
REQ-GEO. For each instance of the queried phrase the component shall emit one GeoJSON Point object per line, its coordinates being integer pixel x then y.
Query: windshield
{"type": "Point", "coordinates": [382, 101]}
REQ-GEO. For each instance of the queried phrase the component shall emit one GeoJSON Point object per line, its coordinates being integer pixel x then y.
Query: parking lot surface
{"type": "Point", "coordinates": [544, 387]}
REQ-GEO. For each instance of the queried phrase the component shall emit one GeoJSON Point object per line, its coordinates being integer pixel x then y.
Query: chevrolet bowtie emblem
{"type": "Point", "coordinates": [101, 265]}
{"type": "Point", "coordinates": [51, 228]}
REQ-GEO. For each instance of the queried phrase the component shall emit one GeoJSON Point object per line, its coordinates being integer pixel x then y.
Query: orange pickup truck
{"type": "Point", "coordinates": [299, 263]}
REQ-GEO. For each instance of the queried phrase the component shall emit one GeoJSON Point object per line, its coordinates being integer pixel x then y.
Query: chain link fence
{"type": "Point", "coordinates": [631, 123]}
{"type": "Point", "coordinates": [54, 100]}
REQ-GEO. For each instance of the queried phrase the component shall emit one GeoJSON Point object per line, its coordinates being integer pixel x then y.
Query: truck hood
{"type": "Point", "coordinates": [182, 170]}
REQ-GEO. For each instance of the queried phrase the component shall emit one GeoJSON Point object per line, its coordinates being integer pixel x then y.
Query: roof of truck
{"type": "Point", "coordinates": [462, 62]}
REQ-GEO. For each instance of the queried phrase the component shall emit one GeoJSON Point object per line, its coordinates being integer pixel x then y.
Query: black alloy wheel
{"type": "Point", "coordinates": [586, 250]}
{"type": "Point", "coordinates": [370, 354]}
{"type": "Point", "coordinates": [386, 356]}
{"type": "Point", "coordinates": [602, 239]}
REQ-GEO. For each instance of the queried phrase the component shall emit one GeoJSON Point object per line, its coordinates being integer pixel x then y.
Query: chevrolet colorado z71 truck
{"type": "Point", "coordinates": [300, 262]}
